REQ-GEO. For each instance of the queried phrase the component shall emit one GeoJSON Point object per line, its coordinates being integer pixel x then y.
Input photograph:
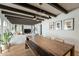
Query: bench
{"type": "Point", "coordinates": [36, 49]}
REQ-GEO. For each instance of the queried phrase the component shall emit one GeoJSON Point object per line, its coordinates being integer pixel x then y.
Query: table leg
{"type": "Point", "coordinates": [72, 52]}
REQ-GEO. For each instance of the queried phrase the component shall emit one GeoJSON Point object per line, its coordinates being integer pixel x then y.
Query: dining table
{"type": "Point", "coordinates": [54, 47]}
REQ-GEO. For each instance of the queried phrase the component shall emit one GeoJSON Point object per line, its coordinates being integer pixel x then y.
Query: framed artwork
{"type": "Point", "coordinates": [51, 25]}
{"type": "Point", "coordinates": [68, 24]}
{"type": "Point", "coordinates": [58, 25]}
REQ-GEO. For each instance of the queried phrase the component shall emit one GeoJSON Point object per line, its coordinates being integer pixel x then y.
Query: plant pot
{"type": "Point", "coordinates": [4, 46]}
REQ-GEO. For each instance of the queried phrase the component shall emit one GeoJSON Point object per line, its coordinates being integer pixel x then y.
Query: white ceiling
{"type": "Point", "coordinates": [46, 7]}
{"type": "Point", "coordinates": [69, 6]}
{"type": "Point", "coordinates": [25, 9]}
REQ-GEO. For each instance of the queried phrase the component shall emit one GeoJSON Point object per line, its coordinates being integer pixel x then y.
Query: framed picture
{"type": "Point", "coordinates": [51, 25]}
{"type": "Point", "coordinates": [58, 25]}
{"type": "Point", "coordinates": [68, 24]}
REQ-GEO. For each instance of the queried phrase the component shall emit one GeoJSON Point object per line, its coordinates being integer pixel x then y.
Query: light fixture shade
{"type": "Point", "coordinates": [34, 18]}
{"type": "Point", "coordinates": [40, 3]}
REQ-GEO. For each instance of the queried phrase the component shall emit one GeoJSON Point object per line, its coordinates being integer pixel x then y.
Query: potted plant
{"type": "Point", "coordinates": [5, 40]}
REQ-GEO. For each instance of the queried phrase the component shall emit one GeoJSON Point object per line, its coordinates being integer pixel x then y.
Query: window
{"type": "Point", "coordinates": [0, 21]}
{"type": "Point", "coordinates": [0, 25]}
{"type": "Point", "coordinates": [4, 23]}
{"type": "Point", "coordinates": [4, 26]}
{"type": "Point", "coordinates": [19, 28]}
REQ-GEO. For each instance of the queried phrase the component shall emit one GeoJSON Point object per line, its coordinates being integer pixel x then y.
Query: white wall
{"type": "Point", "coordinates": [68, 36]}
{"type": "Point", "coordinates": [27, 26]}
{"type": "Point", "coordinates": [45, 28]}
{"type": "Point", "coordinates": [37, 28]}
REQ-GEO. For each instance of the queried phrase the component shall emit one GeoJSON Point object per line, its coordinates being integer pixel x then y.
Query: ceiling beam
{"type": "Point", "coordinates": [21, 11]}
{"type": "Point", "coordinates": [57, 6]}
{"type": "Point", "coordinates": [13, 17]}
{"type": "Point", "coordinates": [13, 21]}
{"type": "Point", "coordinates": [20, 16]}
{"type": "Point", "coordinates": [8, 16]}
{"type": "Point", "coordinates": [22, 21]}
{"type": "Point", "coordinates": [15, 14]}
{"type": "Point", "coordinates": [26, 5]}
{"type": "Point", "coordinates": [37, 19]}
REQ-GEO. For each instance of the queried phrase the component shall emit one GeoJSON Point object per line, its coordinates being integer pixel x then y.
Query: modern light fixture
{"type": "Point", "coordinates": [34, 18]}
{"type": "Point", "coordinates": [40, 3]}
{"type": "Point", "coordinates": [49, 17]}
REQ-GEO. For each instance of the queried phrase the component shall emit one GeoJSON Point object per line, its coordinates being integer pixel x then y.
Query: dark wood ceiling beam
{"type": "Point", "coordinates": [15, 17]}
{"type": "Point", "coordinates": [15, 14]}
{"type": "Point", "coordinates": [26, 5]}
{"type": "Point", "coordinates": [37, 19]}
{"type": "Point", "coordinates": [25, 23]}
{"type": "Point", "coordinates": [18, 15]}
{"type": "Point", "coordinates": [57, 6]}
{"type": "Point", "coordinates": [21, 11]}
{"type": "Point", "coordinates": [11, 17]}
{"type": "Point", "coordinates": [22, 21]}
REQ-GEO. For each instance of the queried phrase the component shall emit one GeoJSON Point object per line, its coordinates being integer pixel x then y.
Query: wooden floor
{"type": "Point", "coordinates": [19, 50]}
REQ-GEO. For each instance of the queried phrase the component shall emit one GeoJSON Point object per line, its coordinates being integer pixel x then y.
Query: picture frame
{"type": "Point", "coordinates": [68, 24]}
{"type": "Point", "coordinates": [51, 25]}
{"type": "Point", "coordinates": [58, 25]}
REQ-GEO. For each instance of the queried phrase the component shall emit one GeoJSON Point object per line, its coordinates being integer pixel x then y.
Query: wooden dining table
{"type": "Point", "coordinates": [54, 47]}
